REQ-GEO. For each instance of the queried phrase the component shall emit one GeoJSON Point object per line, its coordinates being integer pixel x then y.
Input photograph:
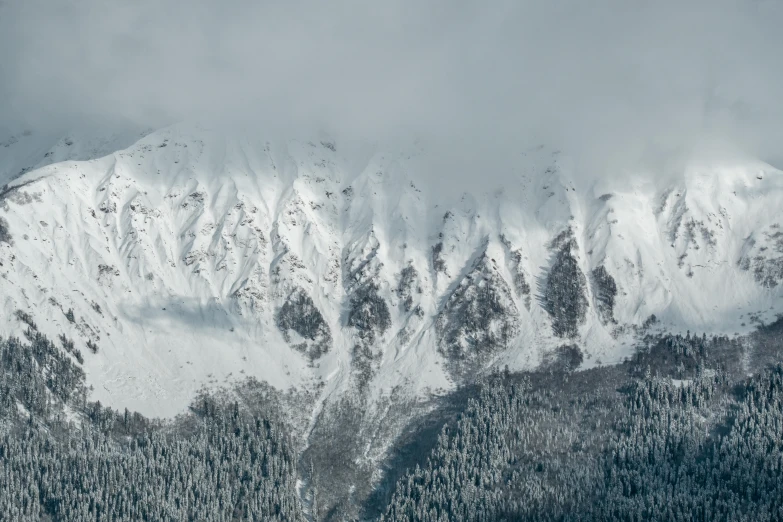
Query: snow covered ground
{"type": "Point", "coordinates": [178, 252]}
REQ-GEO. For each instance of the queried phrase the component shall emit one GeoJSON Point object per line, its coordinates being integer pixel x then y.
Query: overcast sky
{"type": "Point", "coordinates": [613, 82]}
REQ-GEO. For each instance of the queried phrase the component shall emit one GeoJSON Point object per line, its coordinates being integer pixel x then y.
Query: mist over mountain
{"type": "Point", "coordinates": [622, 87]}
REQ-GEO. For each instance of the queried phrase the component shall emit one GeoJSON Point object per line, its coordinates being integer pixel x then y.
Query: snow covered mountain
{"type": "Point", "coordinates": [192, 258]}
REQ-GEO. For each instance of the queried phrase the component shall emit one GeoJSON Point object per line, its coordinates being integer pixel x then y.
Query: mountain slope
{"type": "Point", "coordinates": [197, 258]}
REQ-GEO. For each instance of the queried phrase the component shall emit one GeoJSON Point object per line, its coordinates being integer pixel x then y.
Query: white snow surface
{"type": "Point", "coordinates": [176, 253]}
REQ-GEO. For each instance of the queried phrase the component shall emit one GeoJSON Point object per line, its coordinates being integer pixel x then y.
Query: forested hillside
{"type": "Point", "coordinates": [678, 432]}
{"type": "Point", "coordinates": [65, 459]}
{"type": "Point", "coordinates": [596, 445]}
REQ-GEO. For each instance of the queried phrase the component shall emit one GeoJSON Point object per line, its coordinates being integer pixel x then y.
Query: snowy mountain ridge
{"type": "Point", "coordinates": [191, 258]}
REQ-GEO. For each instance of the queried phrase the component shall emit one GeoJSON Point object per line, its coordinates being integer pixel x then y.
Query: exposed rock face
{"type": "Point", "coordinates": [369, 313]}
{"type": "Point", "coordinates": [407, 285]}
{"type": "Point", "coordinates": [5, 235]}
{"type": "Point", "coordinates": [438, 263]}
{"type": "Point", "coordinates": [764, 257]}
{"type": "Point", "coordinates": [300, 316]}
{"type": "Point", "coordinates": [252, 291]}
{"type": "Point", "coordinates": [106, 273]}
{"type": "Point", "coordinates": [521, 285]}
{"type": "Point", "coordinates": [564, 291]}
{"type": "Point", "coordinates": [520, 281]}
{"type": "Point", "coordinates": [604, 291]}
{"type": "Point", "coordinates": [479, 318]}
{"type": "Point", "coordinates": [409, 292]}
{"type": "Point", "coordinates": [691, 234]}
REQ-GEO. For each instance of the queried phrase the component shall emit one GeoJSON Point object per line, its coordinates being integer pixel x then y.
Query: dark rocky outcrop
{"type": "Point", "coordinates": [299, 314]}
{"type": "Point", "coordinates": [604, 292]}
{"type": "Point", "coordinates": [407, 285]}
{"type": "Point", "coordinates": [520, 281]}
{"type": "Point", "coordinates": [521, 285]}
{"type": "Point", "coordinates": [479, 318]}
{"type": "Point", "coordinates": [369, 313]}
{"type": "Point", "coordinates": [438, 263]}
{"type": "Point", "coordinates": [564, 290]}
{"type": "Point", "coordinates": [764, 257]}
{"type": "Point", "coordinates": [5, 234]}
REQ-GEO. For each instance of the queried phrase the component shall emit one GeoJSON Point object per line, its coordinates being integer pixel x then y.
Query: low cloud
{"type": "Point", "coordinates": [619, 85]}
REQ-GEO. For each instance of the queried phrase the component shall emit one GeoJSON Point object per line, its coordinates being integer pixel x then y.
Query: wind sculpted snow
{"type": "Point", "coordinates": [197, 258]}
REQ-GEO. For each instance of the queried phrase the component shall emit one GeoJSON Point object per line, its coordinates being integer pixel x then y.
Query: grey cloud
{"type": "Point", "coordinates": [617, 84]}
